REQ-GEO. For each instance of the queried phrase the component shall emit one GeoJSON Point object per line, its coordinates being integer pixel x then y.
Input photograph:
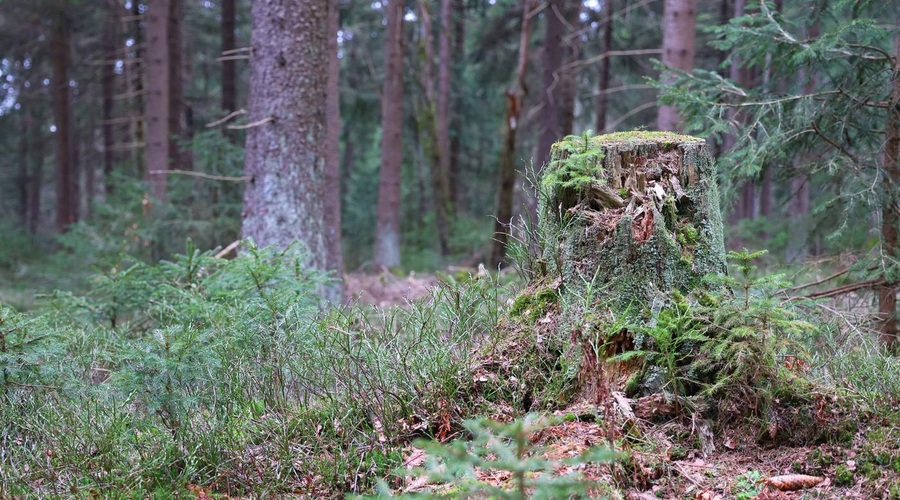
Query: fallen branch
{"type": "Point", "coordinates": [839, 290]}
{"type": "Point", "coordinates": [227, 117]}
{"type": "Point", "coordinates": [202, 175]}
{"type": "Point", "coordinates": [227, 250]}
{"type": "Point", "coordinates": [252, 124]}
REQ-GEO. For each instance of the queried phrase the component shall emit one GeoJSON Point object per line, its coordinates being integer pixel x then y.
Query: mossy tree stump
{"type": "Point", "coordinates": [627, 220]}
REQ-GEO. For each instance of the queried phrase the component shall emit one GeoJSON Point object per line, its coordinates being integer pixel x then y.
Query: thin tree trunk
{"type": "Point", "coordinates": [890, 218]}
{"type": "Point", "coordinates": [605, 63]}
{"type": "Point", "coordinates": [137, 82]}
{"type": "Point", "coordinates": [515, 94]}
{"type": "Point", "coordinates": [679, 33]}
{"type": "Point", "coordinates": [62, 115]}
{"type": "Point", "coordinates": [158, 101]}
{"type": "Point", "coordinates": [387, 233]}
{"type": "Point", "coordinates": [555, 29]}
{"type": "Point", "coordinates": [334, 251]}
{"type": "Point", "coordinates": [107, 89]}
{"type": "Point", "coordinates": [22, 179]}
{"type": "Point", "coordinates": [445, 61]}
{"type": "Point", "coordinates": [429, 124]}
{"type": "Point", "coordinates": [176, 83]}
{"type": "Point", "coordinates": [568, 77]}
{"type": "Point", "coordinates": [229, 74]}
{"type": "Point", "coordinates": [458, 57]}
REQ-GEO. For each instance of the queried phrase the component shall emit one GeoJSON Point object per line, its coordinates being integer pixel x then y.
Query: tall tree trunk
{"type": "Point", "coordinates": [387, 232]}
{"type": "Point", "coordinates": [568, 85]}
{"type": "Point", "coordinates": [158, 101]}
{"type": "Point", "coordinates": [890, 218]}
{"type": "Point", "coordinates": [551, 74]}
{"type": "Point", "coordinates": [429, 123]}
{"type": "Point", "coordinates": [229, 74]}
{"type": "Point", "coordinates": [62, 115]}
{"type": "Point", "coordinates": [515, 94]}
{"type": "Point", "coordinates": [445, 61]}
{"type": "Point", "coordinates": [22, 179]}
{"type": "Point", "coordinates": [743, 209]}
{"type": "Point", "coordinates": [458, 57]}
{"type": "Point", "coordinates": [679, 33]}
{"type": "Point", "coordinates": [335, 255]}
{"type": "Point", "coordinates": [605, 62]}
{"type": "Point", "coordinates": [176, 83]}
{"type": "Point", "coordinates": [137, 86]}
{"type": "Point", "coordinates": [283, 198]}
{"type": "Point", "coordinates": [107, 89]}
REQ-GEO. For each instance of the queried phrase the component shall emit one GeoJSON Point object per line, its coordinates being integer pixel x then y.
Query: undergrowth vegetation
{"type": "Point", "coordinates": [231, 375]}
{"type": "Point", "coordinates": [227, 373]}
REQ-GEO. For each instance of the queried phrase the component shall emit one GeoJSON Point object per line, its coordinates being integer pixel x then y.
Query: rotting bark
{"type": "Point", "coordinates": [636, 218]}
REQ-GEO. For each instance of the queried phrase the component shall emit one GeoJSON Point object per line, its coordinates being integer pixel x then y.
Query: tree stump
{"type": "Point", "coordinates": [627, 219]}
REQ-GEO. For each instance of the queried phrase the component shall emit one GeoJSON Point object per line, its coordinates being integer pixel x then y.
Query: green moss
{"type": "Point", "coordinates": [645, 136]}
{"type": "Point", "coordinates": [532, 306]}
{"type": "Point", "coordinates": [843, 476]}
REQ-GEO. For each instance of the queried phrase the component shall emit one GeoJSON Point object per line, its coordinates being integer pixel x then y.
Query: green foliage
{"type": "Point", "coordinates": [748, 485]}
{"type": "Point", "coordinates": [818, 114]}
{"type": "Point", "coordinates": [496, 447]}
{"type": "Point", "coordinates": [199, 368]}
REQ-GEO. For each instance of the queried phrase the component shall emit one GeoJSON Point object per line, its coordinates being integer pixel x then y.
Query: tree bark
{"type": "Point", "coordinates": [137, 86]}
{"type": "Point", "coordinates": [515, 94]}
{"type": "Point", "coordinates": [637, 218]}
{"type": "Point", "coordinates": [335, 255]}
{"type": "Point", "coordinates": [62, 115]}
{"type": "Point", "coordinates": [603, 80]}
{"type": "Point", "coordinates": [679, 33]}
{"type": "Point", "coordinates": [458, 57]}
{"type": "Point", "coordinates": [445, 61]}
{"type": "Point", "coordinates": [286, 151]}
{"type": "Point", "coordinates": [176, 83]}
{"type": "Point", "coordinates": [107, 88]}
{"type": "Point", "coordinates": [387, 232]}
{"type": "Point", "coordinates": [551, 80]}
{"type": "Point", "coordinates": [429, 123]}
{"type": "Point", "coordinates": [890, 218]}
{"type": "Point", "coordinates": [568, 88]}
{"type": "Point", "coordinates": [229, 74]}
{"type": "Point", "coordinates": [158, 101]}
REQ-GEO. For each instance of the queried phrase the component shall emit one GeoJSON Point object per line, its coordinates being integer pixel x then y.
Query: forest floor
{"type": "Point", "coordinates": [680, 457]}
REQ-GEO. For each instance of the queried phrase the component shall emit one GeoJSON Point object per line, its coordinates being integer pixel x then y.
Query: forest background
{"type": "Point", "coordinates": [127, 129]}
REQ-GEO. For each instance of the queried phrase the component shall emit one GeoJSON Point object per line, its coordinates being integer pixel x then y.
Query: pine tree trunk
{"type": "Point", "coordinates": [890, 218]}
{"type": "Point", "coordinates": [429, 124]}
{"type": "Point", "coordinates": [176, 83]}
{"type": "Point", "coordinates": [603, 81]}
{"type": "Point", "coordinates": [553, 16]}
{"type": "Point", "coordinates": [679, 33]}
{"type": "Point", "coordinates": [158, 110]}
{"type": "Point", "coordinates": [568, 87]}
{"type": "Point", "coordinates": [136, 81]}
{"type": "Point", "coordinates": [445, 61]}
{"type": "Point", "coordinates": [335, 255]}
{"type": "Point", "coordinates": [229, 74]}
{"type": "Point", "coordinates": [387, 232]}
{"type": "Point", "coordinates": [286, 152]}
{"type": "Point", "coordinates": [458, 57]}
{"type": "Point", "coordinates": [515, 94]}
{"type": "Point", "coordinates": [62, 116]}
{"type": "Point", "coordinates": [107, 89]}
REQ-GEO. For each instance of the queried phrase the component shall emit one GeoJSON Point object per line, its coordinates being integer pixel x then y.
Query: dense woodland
{"type": "Point", "coordinates": [201, 200]}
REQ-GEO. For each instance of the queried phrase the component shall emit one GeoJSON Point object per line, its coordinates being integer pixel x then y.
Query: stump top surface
{"type": "Point", "coordinates": [635, 137]}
